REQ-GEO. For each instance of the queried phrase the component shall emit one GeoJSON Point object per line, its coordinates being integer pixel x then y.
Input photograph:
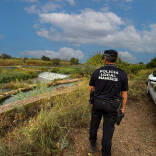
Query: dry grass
{"type": "Point", "coordinates": [49, 133]}
{"type": "Point", "coordinates": [10, 62]}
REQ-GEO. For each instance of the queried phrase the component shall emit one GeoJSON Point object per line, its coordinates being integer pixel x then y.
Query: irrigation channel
{"type": "Point", "coordinates": [43, 78]}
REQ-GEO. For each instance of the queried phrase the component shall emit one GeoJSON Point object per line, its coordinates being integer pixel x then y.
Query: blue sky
{"type": "Point", "coordinates": [78, 28]}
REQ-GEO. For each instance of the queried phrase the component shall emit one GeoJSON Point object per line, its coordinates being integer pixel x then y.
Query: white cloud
{"type": "Point", "coordinates": [63, 53]}
{"type": "Point", "coordinates": [126, 56]}
{"type": "Point", "coordinates": [50, 6]}
{"type": "Point", "coordinates": [32, 9]}
{"type": "Point", "coordinates": [71, 2]}
{"type": "Point", "coordinates": [102, 28]}
{"type": "Point", "coordinates": [80, 28]}
{"type": "Point", "coordinates": [47, 7]}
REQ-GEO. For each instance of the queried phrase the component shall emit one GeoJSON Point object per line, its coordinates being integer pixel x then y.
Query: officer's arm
{"type": "Point", "coordinates": [91, 89]}
{"type": "Point", "coordinates": [124, 97]}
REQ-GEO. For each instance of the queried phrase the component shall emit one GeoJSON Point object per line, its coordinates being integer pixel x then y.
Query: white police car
{"type": "Point", "coordinates": [151, 85]}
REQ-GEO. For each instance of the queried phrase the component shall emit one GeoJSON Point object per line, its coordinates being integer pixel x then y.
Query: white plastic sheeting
{"type": "Point", "coordinates": [52, 76]}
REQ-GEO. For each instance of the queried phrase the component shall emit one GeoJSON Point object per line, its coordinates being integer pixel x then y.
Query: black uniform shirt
{"type": "Point", "coordinates": [109, 81]}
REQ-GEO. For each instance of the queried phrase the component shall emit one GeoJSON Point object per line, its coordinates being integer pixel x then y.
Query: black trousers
{"type": "Point", "coordinates": [108, 130]}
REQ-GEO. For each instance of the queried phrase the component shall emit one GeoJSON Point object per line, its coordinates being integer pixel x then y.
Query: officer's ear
{"type": "Point", "coordinates": [105, 61]}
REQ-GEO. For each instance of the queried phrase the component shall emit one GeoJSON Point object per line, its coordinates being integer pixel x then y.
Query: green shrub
{"type": "Point", "coordinates": [87, 70]}
{"type": "Point", "coordinates": [96, 60]}
{"type": "Point", "coordinates": [45, 58]}
{"type": "Point", "coordinates": [56, 61]}
{"type": "Point", "coordinates": [74, 61]}
{"type": "Point", "coordinates": [152, 63]}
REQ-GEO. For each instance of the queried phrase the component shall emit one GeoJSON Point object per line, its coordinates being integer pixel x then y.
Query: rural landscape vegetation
{"type": "Point", "coordinates": [59, 125]}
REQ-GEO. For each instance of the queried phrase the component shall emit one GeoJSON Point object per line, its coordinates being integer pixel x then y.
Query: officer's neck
{"type": "Point", "coordinates": [109, 63]}
{"type": "Point", "coordinates": [106, 62]}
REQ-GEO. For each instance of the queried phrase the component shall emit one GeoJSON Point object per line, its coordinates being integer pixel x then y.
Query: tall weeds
{"type": "Point", "coordinates": [51, 131]}
{"type": "Point", "coordinates": [8, 75]}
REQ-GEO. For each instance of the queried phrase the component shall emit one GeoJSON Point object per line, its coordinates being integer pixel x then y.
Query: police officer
{"type": "Point", "coordinates": [109, 84]}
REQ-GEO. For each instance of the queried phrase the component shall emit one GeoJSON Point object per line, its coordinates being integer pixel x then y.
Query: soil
{"type": "Point", "coordinates": [136, 135]}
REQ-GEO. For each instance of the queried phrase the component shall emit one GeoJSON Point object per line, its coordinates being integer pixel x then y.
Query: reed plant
{"type": "Point", "coordinates": [33, 62]}
{"type": "Point", "coordinates": [8, 75]}
{"type": "Point", "coordinates": [39, 89]}
{"type": "Point", "coordinates": [11, 62]}
{"type": "Point", "coordinates": [66, 70]}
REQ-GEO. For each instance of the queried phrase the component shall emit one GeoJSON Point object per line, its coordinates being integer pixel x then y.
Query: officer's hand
{"type": "Point", "coordinates": [122, 110]}
{"type": "Point", "coordinates": [91, 105]}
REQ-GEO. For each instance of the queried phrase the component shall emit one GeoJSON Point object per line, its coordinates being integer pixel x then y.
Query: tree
{"type": "Point", "coordinates": [141, 62]}
{"type": "Point", "coordinates": [5, 56]}
{"type": "Point", "coordinates": [24, 59]}
{"type": "Point", "coordinates": [152, 63]}
{"type": "Point", "coordinates": [74, 61]}
{"type": "Point", "coordinates": [45, 58]}
{"type": "Point", "coordinates": [56, 61]}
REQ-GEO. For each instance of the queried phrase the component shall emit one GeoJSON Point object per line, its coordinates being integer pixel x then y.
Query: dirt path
{"type": "Point", "coordinates": [136, 136]}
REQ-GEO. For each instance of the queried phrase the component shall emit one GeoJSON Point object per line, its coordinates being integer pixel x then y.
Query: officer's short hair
{"type": "Point", "coordinates": [110, 55]}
